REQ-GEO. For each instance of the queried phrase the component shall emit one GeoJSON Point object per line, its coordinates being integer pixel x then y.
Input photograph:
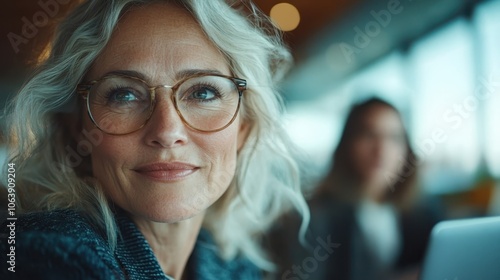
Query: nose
{"type": "Point", "coordinates": [165, 127]}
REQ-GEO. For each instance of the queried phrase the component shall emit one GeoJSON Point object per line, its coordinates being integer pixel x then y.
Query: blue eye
{"type": "Point", "coordinates": [122, 95]}
{"type": "Point", "coordinates": [204, 94]}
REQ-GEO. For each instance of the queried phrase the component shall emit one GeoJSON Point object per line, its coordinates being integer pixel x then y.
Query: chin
{"type": "Point", "coordinates": [173, 204]}
{"type": "Point", "coordinates": [171, 219]}
{"type": "Point", "coordinates": [172, 212]}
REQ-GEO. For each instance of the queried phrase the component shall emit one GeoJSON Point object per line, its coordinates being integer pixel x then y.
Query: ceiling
{"type": "Point", "coordinates": [337, 51]}
{"type": "Point", "coordinates": [18, 56]}
{"type": "Point", "coordinates": [17, 53]}
{"type": "Point", "coordinates": [323, 25]}
{"type": "Point", "coordinates": [314, 16]}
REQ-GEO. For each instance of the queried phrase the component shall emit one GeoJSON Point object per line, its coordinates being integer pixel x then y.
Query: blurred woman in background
{"type": "Point", "coordinates": [367, 206]}
{"type": "Point", "coordinates": [369, 200]}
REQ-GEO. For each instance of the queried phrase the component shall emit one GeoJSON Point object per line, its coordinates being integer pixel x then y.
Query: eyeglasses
{"type": "Point", "coordinates": [121, 104]}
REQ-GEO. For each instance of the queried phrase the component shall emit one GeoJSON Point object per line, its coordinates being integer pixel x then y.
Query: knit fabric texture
{"type": "Point", "coordinates": [63, 244]}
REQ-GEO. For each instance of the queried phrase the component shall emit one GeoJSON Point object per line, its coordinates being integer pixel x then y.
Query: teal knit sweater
{"type": "Point", "coordinates": [63, 244]}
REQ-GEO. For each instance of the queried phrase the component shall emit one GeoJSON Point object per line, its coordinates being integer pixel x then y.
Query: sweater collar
{"type": "Point", "coordinates": [139, 262]}
{"type": "Point", "coordinates": [134, 253]}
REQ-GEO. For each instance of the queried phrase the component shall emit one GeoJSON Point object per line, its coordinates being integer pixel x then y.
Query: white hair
{"type": "Point", "coordinates": [266, 182]}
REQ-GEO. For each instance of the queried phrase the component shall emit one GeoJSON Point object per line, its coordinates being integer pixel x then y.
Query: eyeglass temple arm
{"type": "Point", "coordinates": [241, 84]}
{"type": "Point", "coordinates": [83, 89]}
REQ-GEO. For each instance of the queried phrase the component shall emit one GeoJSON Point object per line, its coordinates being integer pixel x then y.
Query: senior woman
{"type": "Point", "coordinates": [148, 144]}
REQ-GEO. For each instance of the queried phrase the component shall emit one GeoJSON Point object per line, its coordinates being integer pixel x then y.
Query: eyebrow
{"type": "Point", "coordinates": [127, 73]}
{"type": "Point", "coordinates": [193, 72]}
{"type": "Point", "coordinates": [178, 76]}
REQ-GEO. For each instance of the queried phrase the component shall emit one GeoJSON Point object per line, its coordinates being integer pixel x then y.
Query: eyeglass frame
{"type": "Point", "coordinates": [83, 89]}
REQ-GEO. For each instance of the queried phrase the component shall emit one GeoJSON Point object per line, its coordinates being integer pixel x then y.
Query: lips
{"type": "Point", "coordinates": [167, 171]}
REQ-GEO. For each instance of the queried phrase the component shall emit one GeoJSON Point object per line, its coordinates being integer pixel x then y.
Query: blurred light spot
{"type": "Point", "coordinates": [286, 16]}
{"type": "Point", "coordinates": [44, 55]}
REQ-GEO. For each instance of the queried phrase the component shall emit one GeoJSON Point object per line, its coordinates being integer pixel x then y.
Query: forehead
{"type": "Point", "coordinates": [381, 117]}
{"type": "Point", "coordinates": [157, 19]}
{"type": "Point", "coordinates": [158, 38]}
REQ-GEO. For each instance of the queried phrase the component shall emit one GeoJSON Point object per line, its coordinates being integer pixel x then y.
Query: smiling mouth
{"type": "Point", "coordinates": [167, 172]}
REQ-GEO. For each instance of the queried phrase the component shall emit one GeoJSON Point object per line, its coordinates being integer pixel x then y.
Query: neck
{"type": "Point", "coordinates": [374, 191]}
{"type": "Point", "coordinates": [172, 243]}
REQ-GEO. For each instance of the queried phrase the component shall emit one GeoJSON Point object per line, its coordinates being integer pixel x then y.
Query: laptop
{"type": "Point", "coordinates": [464, 249]}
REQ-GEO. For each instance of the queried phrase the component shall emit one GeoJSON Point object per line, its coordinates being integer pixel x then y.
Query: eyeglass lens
{"type": "Point", "coordinates": [120, 104]}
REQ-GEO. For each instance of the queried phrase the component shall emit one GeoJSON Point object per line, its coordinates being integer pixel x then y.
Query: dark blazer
{"type": "Point", "coordinates": [63, 244]}
{"type": "Point", "coordinates": [335, 222]}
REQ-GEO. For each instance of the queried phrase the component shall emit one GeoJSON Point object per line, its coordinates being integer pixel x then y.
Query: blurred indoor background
{"type": "Point", "coordinates": [435, 60]}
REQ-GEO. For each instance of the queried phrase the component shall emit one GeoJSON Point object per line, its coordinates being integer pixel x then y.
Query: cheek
{"type": "Point", "coordinates": [360, 151]}
{"type": "Point", "coordinates": [394, 151]}
{"type": "Point", "coordinates": [398, 156]}
{"type": "Point", "coordinates": [108, 160]}
{"type": "Point", "coordinates": [220, 151]}
{"type": "Point", "coordinates": [109, 150]}
{"type": "Point", "coordinates": [108, 157]}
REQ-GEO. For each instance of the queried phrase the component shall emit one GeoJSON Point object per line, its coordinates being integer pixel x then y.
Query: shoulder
{"type": "Point", "coordinates": [60, 225]}
{"type": "Point", "coordinates": [206, 262]}
{"type": "Point", "coordinates": [67, 221]}
{"type": "Point", "coordinates": [338, 213]}
{"type": "Point", "coordinates": [59, 244]}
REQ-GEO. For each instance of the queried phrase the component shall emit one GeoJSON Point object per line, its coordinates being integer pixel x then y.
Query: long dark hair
{"type": "Point", "coordinates": [341, 182]}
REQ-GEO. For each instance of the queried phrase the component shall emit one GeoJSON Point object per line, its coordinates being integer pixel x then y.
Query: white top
{"type": "Point", "coordinates": [379, 227]}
